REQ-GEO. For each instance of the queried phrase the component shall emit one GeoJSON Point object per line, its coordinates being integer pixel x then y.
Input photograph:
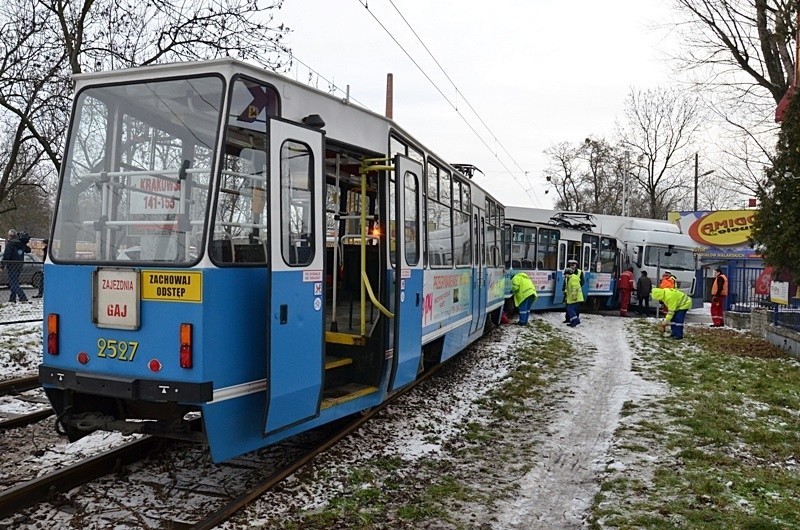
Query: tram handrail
{"type": "Point", "coordinates": [376, 303]}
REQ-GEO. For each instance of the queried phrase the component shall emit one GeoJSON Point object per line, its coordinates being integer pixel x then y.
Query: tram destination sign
{"type": "Point", "coordinates": [116, 298]}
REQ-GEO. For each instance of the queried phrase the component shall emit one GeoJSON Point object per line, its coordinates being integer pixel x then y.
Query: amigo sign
{"type": "Point", "coordinates": [724, 228]}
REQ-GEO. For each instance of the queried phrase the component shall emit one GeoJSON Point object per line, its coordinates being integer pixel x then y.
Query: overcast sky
{"type": "Point", "coordinates": [536, 72]}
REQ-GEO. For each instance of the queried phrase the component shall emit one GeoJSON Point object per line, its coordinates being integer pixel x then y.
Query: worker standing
{"type": "Point", "coordinates": [719, 293]}
{"type": "Point", "coordinates": [625, 290]}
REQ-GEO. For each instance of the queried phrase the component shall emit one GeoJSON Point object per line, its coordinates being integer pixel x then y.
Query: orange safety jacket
{"type": "Point", "coordinates": [720, 286]}
{"type": "Point", "coordinates": [667, 282]}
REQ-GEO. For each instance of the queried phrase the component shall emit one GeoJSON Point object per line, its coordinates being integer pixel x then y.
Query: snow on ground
{"type": "Point", "coordinates": [20, 349]}
{"type": "Point", "coordinates": [573, 447]}
{"type": "Point", "coordinates": [559, 489]}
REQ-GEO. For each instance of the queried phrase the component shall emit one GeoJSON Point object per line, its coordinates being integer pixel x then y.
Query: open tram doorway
{"type": "Point", "coordinates": [355, 241]}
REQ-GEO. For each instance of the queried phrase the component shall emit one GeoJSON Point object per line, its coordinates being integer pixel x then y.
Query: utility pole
{"type": "Point", "coordinates": [696, 179]}
{"type": "Point", "coordinates": [625, 183]}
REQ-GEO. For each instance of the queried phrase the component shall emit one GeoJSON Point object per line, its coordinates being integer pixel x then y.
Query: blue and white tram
{"type": "Point", "coordinates": [236, 257]}
{"type": "Point", "coordinates": [542, 251]}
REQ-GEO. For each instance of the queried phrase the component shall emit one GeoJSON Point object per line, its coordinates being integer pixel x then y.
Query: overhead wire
{"type": "Point", "coordinates": [458, 91]}
{"type": "Point", "coordinates": [527, 189]}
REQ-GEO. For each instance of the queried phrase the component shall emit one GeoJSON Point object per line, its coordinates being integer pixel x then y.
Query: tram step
{"type": "Point", "coordinates": [342, 394]}
{"type": "Point", "coordinates": [332, 362]}
{"type": "Point", "coordinates": [348, 339]}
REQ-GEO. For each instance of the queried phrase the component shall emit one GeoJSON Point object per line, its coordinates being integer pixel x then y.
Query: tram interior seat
{"type": "Point", "coordinates": [527, 264]}
{"type": "Point", "coordinates": [250, 253]}
{"type": "Point", "coordinates": [540, 264]}
{"type": "Point", "coordinates": [516, 264]}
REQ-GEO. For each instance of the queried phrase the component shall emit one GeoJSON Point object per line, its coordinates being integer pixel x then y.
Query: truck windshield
{"type": "Point", "coordinates": [680, 259]}
{"type": "Point", "coordinates": [136, 174]}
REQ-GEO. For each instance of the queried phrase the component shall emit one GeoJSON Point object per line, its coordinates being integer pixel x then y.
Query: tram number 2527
{"type": "Point", "coordinates": [117, 349]}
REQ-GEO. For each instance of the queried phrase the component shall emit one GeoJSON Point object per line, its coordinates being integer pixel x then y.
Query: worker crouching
{"type": "Point", "coordinates": [524, 295]}
{"type": "Point", "coordinates": [677, 304]}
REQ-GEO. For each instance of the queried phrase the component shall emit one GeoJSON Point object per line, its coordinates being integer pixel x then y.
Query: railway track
{"type": "Point", "coordinates": [18, 386]}
{"type": "Point", "coordinates": [39, 489]}
{"type": "Point", "coordinates": [227, 511]}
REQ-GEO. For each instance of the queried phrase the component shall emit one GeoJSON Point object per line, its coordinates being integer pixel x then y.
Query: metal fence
{"type": "Point", "coordinates": [745, 289]}
{"type": "Point", "coordinates": [787, 317]}
{"type": "Point", "coordinates": [18, 312]}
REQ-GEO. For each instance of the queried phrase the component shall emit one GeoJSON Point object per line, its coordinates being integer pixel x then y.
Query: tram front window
{"type": "Point", "coordinates": [678, 259]}
{"type": "Point", "coordinates": [137, 171]}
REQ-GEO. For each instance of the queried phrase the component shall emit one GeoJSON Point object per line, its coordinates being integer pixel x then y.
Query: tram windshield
{"type": "Point", "coordinates": [137, 171]}
{"type": "Point", "coordinates": [679, 259]}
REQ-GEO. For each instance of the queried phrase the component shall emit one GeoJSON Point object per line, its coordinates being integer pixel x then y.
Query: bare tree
{"type": "Point", "coordinates": [743, 46]}
{"type": "Point", "coordinates": [562, 173]}
{"type": "Point", "coordinates": [603, 176]}
{"type": "Point", "coordinates": [44, 42]}
{"type": "Point", "coordinates": [657, 128]}
{"type": "Point", "coordinates": [741, 54]}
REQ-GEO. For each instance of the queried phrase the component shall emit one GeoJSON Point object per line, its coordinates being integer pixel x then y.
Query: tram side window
{"type": "Point", "coordinates": [590, 258]}
{"type": "Point", "coordinates": [608, 254]}
{"type": "Point", "coordinates": [491, 234]}
{"type": "Point", "coordinates": [523, 248]}
{"type": "Point", "coordinates": [411, 228]}
{"type": "Point", "coordinates": [547, 248]}
{"type": "Point", "coordinates": [440, 242]}
{"type": "Point", "coordinates": [297, 216]}
{"type": "Point", "coordinates": [401, 146]}
{"type": "Point", "coordinates": [240, 222]}
{"type": "Point", "coordinates": [462, 231]}
{"type": "Point", "coordinates": [502, 235]}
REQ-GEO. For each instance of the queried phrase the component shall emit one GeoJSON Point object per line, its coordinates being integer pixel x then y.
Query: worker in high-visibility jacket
{"type": "Point", "coordinates": [574, 296]}
{"type": "Point", "coordinates": [524, 295]}
{"type": "Point", "coordinates": [719, 293]}
{"type": "Point", "coordinates": [573, 264]}
{"type": "Point", "coordinates": [678, 304]}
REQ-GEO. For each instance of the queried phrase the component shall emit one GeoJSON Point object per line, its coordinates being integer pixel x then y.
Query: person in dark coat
{"type": "Point", "coordinates": [13, 258]}
{"type": "Point", "coordinates": [643, 287]}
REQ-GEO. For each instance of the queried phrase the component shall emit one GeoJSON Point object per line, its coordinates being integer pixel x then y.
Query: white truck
{"type": "Point", "coordinates": [650, 245]}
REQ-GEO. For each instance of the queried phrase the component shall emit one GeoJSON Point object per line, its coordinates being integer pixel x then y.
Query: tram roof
{"type": "Point", "coordinates": [345, 121]}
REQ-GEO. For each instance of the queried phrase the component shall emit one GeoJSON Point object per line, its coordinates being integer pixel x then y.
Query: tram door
{"type": "Point", "coordinates": [478, 281]}
{"type": "Point", "coordinates": [295, 309]}
{"type": "Point", "coordinates": [558, 296]}
{"type": "Point", "coordinates": [405, 249]}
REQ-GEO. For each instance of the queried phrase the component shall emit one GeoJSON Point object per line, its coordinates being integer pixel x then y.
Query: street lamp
{"type": "Point", "coordinates": [697, 178]}
{"type": "Point", "coordinates": [625, 181]}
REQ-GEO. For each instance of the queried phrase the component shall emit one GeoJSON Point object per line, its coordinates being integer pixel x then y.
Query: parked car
{"type": "Point", "coordinates": [31, 272]}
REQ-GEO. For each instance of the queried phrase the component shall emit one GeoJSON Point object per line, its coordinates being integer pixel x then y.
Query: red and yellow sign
{"type": "Point", "coordinates": [724, 228]}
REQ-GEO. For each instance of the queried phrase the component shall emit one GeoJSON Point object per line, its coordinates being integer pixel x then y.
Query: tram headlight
{"type": "Point", "coordinates": [186, 345]}
{"type": "Point", "coordinates": [52, 334]}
